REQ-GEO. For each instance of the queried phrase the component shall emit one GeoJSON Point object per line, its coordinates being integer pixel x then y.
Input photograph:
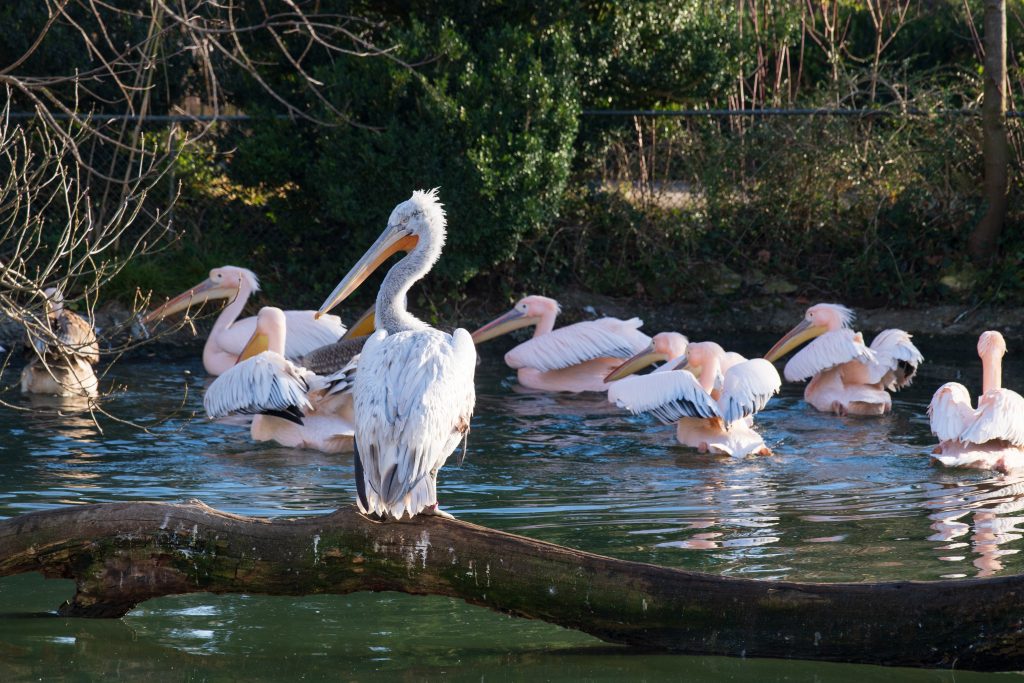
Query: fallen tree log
{"type": "Point", "coordinates": [120, 554]}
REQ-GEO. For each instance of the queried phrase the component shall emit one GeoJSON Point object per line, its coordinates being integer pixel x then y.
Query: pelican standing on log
{"type": "Point", "coordinates": [229, 335]}
{"type": "Point", "coordinates": [847, 377]}
{"type": "Point", "coordinates": [573, 358]}
{"type": "Point", "coordinates": [991, 437]}
{"type": "Point", "coordinates": [292, 405]}
{"type": "Point", "coordinates": [414, 391]}
{"type": "Point", "coordinates": [710, 394]}
{"type": "Point", "coordinates": [62, 365]}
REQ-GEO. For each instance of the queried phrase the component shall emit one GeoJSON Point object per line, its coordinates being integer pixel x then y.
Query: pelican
{"type": "Point", "coordinates": [291, 405]}
{"type": "Point", "coordinates": [991, 437]}
{"type": "Point", "coordinates": [847, 377]}
{"type": "Point", "coordinates": [712, 407]}
{"type": "Point", "coordinates": [229, 334]}
{"type": "Point", "coordinates": [414, 391]}
{"type": "Point", "coordinates": [62, 365]}
{"type": "Point", "coordinates": [572, 358]}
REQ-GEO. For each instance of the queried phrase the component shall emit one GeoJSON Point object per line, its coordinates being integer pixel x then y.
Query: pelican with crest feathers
{"type": "Point", "coordinates": [847, 377]}
{"type": "Point", "coordinates": [710, 394]}
{"type": "Point", "coordinates": [989, 437]}
{"type": "Point", "coordinates": [573, 358]}
{"type": "Point", "coordinates": [414, 391]}
{"type": "Point", "coordinates": [306, 332]}
{"type": "Point", "coordinates": [293, 405]}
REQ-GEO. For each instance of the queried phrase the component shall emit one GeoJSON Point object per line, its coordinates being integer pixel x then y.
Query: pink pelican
{"type": "Point", "coordinates": [229, 334]}
{"type": "Point", "coordinates": [991, 437]}
{"type": "Point", "coordinates": [712, 407]}
{"type": "Point", "coordinates": [413, 391]}
{"type": "Point", "coordinates": [62, 365]}
{"type": "Point", "coordinates": [572, 358]}
{"type": "Point", "coordinates": [290, 404]}
{"type": "Point", "coordinates": [847, 377]}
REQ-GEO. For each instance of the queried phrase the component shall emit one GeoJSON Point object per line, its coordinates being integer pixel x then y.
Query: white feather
{"type": "Point", "coordinates": [892, 347]}
{"type": "Point", "coordinates": [668, 396]}
{"type": "Point", "coordinates": [413, 393]}
{"type": "Point", "coordinates": [1000, 415]}
{"type": "Point", "coordinates": [578, 343]}
{"type": "Point", "coordinates": [264, 382]}
{"type": "Point", "coordinates": [950, 411]}
{"type": "Point", "coordinates": [305, 333]}
{"type": "Point", "coordinates": [826, 352]}
{"type": "Point", "coordinates": [747, 388]}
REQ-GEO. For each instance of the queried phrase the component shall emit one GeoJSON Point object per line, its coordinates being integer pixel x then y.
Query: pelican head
{"type": "Point", "coordinates": [991, 344]}
{"type": "Point", "coordinates": [529, 310]}
{"type": "Point", "coordinates": [224, 283]}
{"type": "Point", "coordinates": [820, 318]}
{"type": "Point", "coordinates": [665, 346]}
{"type": "Point", "coordinates": [54, 300]}
{"type": "Point", "coordinates": [698, 356]}
{"type": "Point", "coordinates": [417, 224]}
{"type": "Point", "coordinates": [269, 335]}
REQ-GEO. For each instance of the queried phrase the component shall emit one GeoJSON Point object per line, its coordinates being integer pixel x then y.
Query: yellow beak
{"type": "Point", "coordinates": [636, 363]}
{"type": "Point", "coordinates": [503, 324]}
{"type": "Point", "coordinates": [363, 327]}
{"type": "Point", "coordinates": [803, 332]}
{"type": "Point", "coordinates": [204, 291]}
{"type": "Point", "coordinates": [257, 344]}
{"type": "Point", "coordinates": [390, 242]}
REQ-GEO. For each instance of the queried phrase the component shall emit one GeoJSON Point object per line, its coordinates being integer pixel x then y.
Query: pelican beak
{"type": "Point", "coordinates": [391, 241]}
{"type": "Point", "coordinates": [363, 327]}
{"type": "Point", "coordinates": [636, 363]}
{"type": "Point", "coordinates": [684, 364]}
{"type": "Point", "coordinates": [203, 292]}
{"type": "Point", "coordinates": [513, 320]}
{"type": "Point", "coordinates": [257, 344]}
{"type": "Point", "coordinates": [803, 332]}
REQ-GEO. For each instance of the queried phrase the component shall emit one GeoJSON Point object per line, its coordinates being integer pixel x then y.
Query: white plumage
{"type": "Point", "coordinates": [896, 360]}
{"type": "Point", "coordinates": [267, 381]}
{"type": "Point", "coordinates": [414, 397]}
{"type": "Point", "coordinates": [826, 352]}
{"type": "Point", "coordinates": [578, 343]}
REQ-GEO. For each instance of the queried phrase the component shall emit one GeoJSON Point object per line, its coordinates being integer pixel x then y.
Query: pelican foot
{"type": "Point", "coordinates": [703, 447]}
{"type": "Point", "coordinates": [437, 512]}
{"type": "Point", "coordinates": [763, 450]}
{"type": "Point", "coordinates": [838, 408]}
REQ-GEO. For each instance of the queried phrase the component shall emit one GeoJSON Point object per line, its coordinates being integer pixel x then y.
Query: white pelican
{"type": "Point", "coordinates": [62, 365]}
{"type": "Point", "coordinates": [712, 408]}
{"type": "Point", "coordinates": [847, 377]}
{"type": "Point", "coordinates": [290, 404]}
{"type": "Point", "coordinates": [414, 391]}
{"type": "Point", "coordinates": [991, 437]}
{"type": "Point", "coordinates": [229, 334]}
{"type": "Point", "coordinates": [572, 358]}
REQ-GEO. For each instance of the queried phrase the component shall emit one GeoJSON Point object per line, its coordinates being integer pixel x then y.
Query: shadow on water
{"type": "Point", "coordinates": [842, 499]}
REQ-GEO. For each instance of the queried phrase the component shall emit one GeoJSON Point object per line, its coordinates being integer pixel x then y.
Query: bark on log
{"type": "Point", "coordinates": [120, 554]}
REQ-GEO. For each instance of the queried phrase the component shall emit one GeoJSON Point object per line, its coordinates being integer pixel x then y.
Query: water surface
{"type": "Point", "coordinates": [843, 499]}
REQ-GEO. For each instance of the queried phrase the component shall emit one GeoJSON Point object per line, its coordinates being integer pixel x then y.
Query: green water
{"type": "Point", "coordinates": [842, 499]}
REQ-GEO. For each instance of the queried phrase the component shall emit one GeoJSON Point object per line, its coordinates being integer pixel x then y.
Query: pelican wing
{"type": "Point", "coordinates": [414, 397]}
{"type": "Point", "coordinates": [747, 388]}
{"type": "Point", "coordinates": [668, 396]}
{"type": "Point", "coordinates": [950, 411]}
{"type": "Point", "coordinates": [265, 383]}
{"type": "Point", "coordinates": [826, 352]}
{"type": "Point", "coordinates": [332, 358]}
{"type": "Point", "coordinates": [896, 360]}
{"type": "Point", "coordinates": [76, 336]}
{"type": "Point", "coordinates": [1000, 415]}
{"type": "Point", "coordinates": [579, 343]}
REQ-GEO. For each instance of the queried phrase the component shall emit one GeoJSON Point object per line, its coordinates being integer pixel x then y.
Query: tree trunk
{"type": "Point", "coordinates": [120, 554]}
{"type": "Point", "coordinates": [983, 239]}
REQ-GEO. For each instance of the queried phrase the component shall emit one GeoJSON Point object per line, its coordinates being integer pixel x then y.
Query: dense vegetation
{"type": "Point", "coordinates": [487, 101]}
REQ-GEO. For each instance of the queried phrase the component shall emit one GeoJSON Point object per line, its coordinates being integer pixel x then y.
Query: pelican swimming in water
{"type": "Point", "coordinates": [291, 405]}
{"type": "Point", "coordinates": [572, 358]}
{"type": "Point", "coordinates": [991, 437]}
{"type": "Point", "coordinates": [229, 335]}
{"type": "Point", "coordinates": [709, 394]}
{"type": "Point", "coordinates": [414, 391]}
{"type": "Point", "coordinates": [63, 361]}
{"type": "Point", "coordinates": [847, 377]}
